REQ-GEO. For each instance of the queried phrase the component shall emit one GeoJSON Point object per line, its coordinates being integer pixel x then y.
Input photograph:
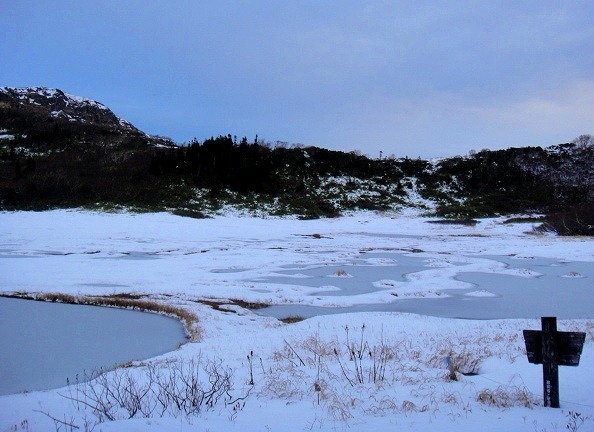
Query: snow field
{"type": "Point", "coordinates": [364, 371]}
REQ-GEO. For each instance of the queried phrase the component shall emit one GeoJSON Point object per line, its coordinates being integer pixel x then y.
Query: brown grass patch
{"type": "Point", "coordinates": [292, 319]}
{"type": "Point", "coordinates": [126, 296]}
{"type": "Point", "coordinates": [507, 396]}
{"type": "Point", "coordinates": [219, 305]}
{"type": "Point", "coordinates": [249, 305]}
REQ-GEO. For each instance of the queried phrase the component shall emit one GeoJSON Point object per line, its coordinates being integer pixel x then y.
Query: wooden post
{"type": "Point", "coordinates": [550, 368]}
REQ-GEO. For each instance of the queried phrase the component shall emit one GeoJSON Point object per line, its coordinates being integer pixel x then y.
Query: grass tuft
{"type": "Point", "coordinates": [506, 397]}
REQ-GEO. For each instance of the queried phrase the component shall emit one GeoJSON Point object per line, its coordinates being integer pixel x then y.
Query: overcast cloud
{"type": "Point", "coordinates": [410, 78]}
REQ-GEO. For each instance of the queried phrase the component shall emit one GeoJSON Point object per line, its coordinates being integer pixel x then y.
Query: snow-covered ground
{"type": "Point", "coordinates": [363, 371]}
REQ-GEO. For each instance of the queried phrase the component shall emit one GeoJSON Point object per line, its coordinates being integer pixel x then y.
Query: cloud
{"type": "Point", "coordinates": [569, 109]}
{"type": "Point", "coordinates": [418, 78]}
{"type": "Point", "coordinates": [447, 124]}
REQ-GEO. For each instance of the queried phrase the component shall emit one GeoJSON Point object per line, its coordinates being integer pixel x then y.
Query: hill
{"type": "Point", "coordinates": [44, 119]}
{"type": "Point", "coordinates": [59, 150]}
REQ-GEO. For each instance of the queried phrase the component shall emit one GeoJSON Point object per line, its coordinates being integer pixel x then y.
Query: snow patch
{"type": "Point", "coordinates": [480, 293]}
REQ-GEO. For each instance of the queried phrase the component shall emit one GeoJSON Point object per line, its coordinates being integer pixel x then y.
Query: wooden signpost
{"type": "Point", "coordinates": [552, 349]}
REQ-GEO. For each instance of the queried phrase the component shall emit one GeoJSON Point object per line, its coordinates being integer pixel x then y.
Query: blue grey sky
{"type": "Point", "coordinates": [409, 78]}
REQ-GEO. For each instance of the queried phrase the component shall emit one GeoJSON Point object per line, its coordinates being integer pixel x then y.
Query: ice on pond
{"type": "Point", "coordinates": [508, 287]}
{"type": "Point", "coordinates": [46, 344]}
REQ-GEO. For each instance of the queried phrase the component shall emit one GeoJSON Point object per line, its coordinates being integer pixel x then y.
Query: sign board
{"type": "Point", "coordinates": [568, 347]}
{"type": "Point", "coordinates": [553, 349]}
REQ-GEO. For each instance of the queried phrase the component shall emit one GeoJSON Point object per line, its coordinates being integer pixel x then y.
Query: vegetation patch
{"type": "Point", "coordinates": [49, 163]}
{"type": "Point", "coordinates": [125, 296]}
{"type": "Point", "coordinates": [249, 305]}
{"type": "Point", "coordinates": [216, 305]}
{"type": "Point", "coordinates": [525, 219]}
{"type": "Point", "coordinates": [575, 220]}
{"type": "Point", "coordinates": [292, 319]}
{"type": "Point", "coordinates": [191, 213]}
{"type": "Point", "coordinates": [219, 304]}
{"type": "Point", "coordinates": [465, 222]}
{"type": "Point", "coordinates": [506, 397]}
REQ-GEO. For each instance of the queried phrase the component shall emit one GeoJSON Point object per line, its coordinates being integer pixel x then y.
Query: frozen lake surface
{"type": "Point", "coordinates": [533, 288]}
{"type": "Point", "coordinates": [361, 262]}
{"type": "Point", "coordinates": [44, 344]}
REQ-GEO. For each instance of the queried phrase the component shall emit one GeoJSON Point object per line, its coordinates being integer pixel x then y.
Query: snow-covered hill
{"type": "Point", "coordinates": [63, 105]}
{"type": "Point", "coordinates": [45, 115]}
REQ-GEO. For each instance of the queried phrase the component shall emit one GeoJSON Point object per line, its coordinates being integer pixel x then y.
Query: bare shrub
{"type": "Point", "coordinates": [575, 220]}
{"type": "Point", "coordinates": [189, 387]}
{"type": "Point", "coordinates": [177, 388]}
{"type": "Point", "coordinates": [366, 363]}
{"type": "Point", "coordinates": [111, 396]}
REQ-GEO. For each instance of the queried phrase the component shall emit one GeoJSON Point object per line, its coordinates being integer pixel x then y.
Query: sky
{"type": "Point", "coordinates": [405, 78]}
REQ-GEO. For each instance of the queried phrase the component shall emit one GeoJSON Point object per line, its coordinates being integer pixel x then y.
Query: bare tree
{"type": "Point", "coordinates": [584, 140]}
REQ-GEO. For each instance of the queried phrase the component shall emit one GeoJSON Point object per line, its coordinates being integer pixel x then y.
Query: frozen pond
{"type": "Point", "coordinates": [353, 279]}
{"type": "Point", "coordinates": [44, 344]}
{"type": "Point", "coordinates": [532, 288]}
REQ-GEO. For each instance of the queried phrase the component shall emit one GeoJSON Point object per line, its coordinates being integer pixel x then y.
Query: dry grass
{"type": "Point", "coordinates": [586, 327]}
{"type": "Point", "coordinates": [124, 301]}
{"type": "Point", "coordinates": [128, 296]}
{"type": "Point", "coordinates": [249, 305]}
{"type": "Point", "coordinates": [380, 375]}
{"type": "Point", "coordinates": [506, 397]}
{"type": "Point", "coordinates": [219, 305]}
{"type": "Point", "coordinates": [292, 319]}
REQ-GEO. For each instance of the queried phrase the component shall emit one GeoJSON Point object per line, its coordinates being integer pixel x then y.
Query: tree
{"type": "Point", "coordinates": [584, 140]}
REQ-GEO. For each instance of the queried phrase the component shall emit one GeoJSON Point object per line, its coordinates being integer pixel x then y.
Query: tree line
{"type": "Point", "coordinates": [241, 166]}
{"type": "Point", "coordinates": [305, 180]}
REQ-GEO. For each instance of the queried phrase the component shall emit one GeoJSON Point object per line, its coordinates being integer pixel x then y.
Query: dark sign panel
{"type": "Point", "coordinates": [553, 349]}
{"type": "Point", "coordinates": [568, 347]}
